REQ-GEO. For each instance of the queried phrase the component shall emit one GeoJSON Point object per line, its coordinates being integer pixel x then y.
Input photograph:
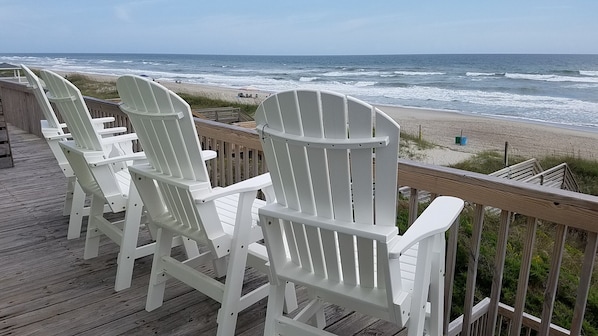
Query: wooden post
{"type": "Point", "coordinates": [420, 132]}
{"type": "Point", "coordinates": [506, 153]}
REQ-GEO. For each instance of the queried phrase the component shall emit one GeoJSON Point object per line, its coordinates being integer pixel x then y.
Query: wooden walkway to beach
{"type": "Point", "coordinates": [47, 288]}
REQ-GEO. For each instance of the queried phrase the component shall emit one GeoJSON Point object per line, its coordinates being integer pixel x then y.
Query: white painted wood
{"type": "Point", "coordinates": [100, 165]}
{"type": "Point", "coordinates": [333, 161]}
{"type": "Point", "coordinates": [175, 187]}
{"type": "Point", "coordinates": [54, 133]}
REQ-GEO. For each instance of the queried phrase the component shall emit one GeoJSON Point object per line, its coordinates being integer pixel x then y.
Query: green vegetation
{"type": "Point", "coordinates": [107, 90]}
{"type": "Point", "coordinates": [419, 143]}
{"type": "Point", "coordinates": [92, 88]}
{"type": "Point", "coordinates": [197, 102]}
{"type": "Point", "coordinates": [586, 172]}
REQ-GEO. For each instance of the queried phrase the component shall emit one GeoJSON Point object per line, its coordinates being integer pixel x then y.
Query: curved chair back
{"type": "Point", "coordinates": [69, 101]}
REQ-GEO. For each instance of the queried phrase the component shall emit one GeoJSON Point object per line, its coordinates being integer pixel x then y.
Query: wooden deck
{"type": "Point", "coordinates": [46, 288]}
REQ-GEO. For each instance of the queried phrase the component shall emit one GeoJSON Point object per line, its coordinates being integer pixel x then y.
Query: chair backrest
{"type": "Point", "coordinates": [333, 163]}
{"type": "Point", "coordinates": [38, 91]}
{"type": "Point", "coordinates": [321, 148]}
{"type": "Point", "coordinates": [71, 105]}
{"type": "Point", "coordinates": [164, 125]}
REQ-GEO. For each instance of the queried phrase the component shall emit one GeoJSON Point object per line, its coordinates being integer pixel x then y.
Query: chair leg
{"type": "Point", "coordinates": [68, 198]}
{"type": "Point", "coordinates": [92, 240]}
{"type": "Point", "coordinates": [437, 289]}
{"type": "Point", "coordinates": [229, 310]}
{"type": "Point", "coordinates": [220, 266]}
{"type": "Point", "coordinates": [415, 325]}
{"type": "Point", "coordinates": [128, 244]}
{"type": "Point", "coordinates": [274, 310]}
{"type": "Point", "coordinates": [77, 211]}
{"type": "Point", "coordinates": [191, 248]}
{"type": "Point", "coordinates": [157, 282]}
{"type": "Point", "coordinates": [290, 298]}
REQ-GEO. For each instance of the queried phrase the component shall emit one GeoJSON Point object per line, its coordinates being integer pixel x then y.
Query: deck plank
{"type": "Point", "coordinates": [47, 288]}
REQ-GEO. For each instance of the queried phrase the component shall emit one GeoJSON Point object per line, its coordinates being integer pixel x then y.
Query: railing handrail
{"type": "Point", "coordinates": [555, 205]}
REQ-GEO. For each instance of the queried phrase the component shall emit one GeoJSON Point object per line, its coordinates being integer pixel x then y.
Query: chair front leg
{"type": "Point", "coordinates": [128, 244]}
{"type": "Point", "coordinates": [435, 325]}
{"type": "Point", "coordinates": [77, 209]}
{"type": "Point", "coordinates": [157, 282]}
{"type": "Point", "coordinates": [229, 310]}
{"type": "Point", "coordinates": [92, 240]}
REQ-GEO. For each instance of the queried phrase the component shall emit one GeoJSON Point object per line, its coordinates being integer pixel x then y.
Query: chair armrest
{"type": "Point", "coordinates": [113, 130]}
{"type": "Point", "coordinates": [208, 154]}
{"type": "Point", "coordinates": [102, 120]}
{"type": "Point", "coordinates": [58, 136]}
{"type": "Point", "coordinates": [437, 218]}
{"type": "Point", "coordinates": [252, 184]}
{"type": "Point", "coordinates": [147, 170]}
{"type": "Point", "coordinates": [119, 138]}
{"type": "Point", "coordinates": [116, 159]}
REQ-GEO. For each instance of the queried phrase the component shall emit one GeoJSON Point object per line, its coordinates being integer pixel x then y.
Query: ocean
{"type": "Point", "coordinates": [557, 89]}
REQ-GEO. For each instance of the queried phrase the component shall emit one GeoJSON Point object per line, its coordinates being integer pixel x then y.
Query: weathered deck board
{"type": "Point", "coordinates": [47, 288]}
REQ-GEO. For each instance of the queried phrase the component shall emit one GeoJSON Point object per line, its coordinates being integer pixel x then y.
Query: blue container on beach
{"type": "Point", "coordinates": [463, 141]}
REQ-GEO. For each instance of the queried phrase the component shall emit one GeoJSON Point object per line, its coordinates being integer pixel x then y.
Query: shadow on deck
{"type": "Point", "coordinates": [47, 288]}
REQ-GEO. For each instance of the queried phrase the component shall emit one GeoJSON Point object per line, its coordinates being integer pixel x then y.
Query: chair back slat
{"type": "Point", "coordinates": [72, 107]}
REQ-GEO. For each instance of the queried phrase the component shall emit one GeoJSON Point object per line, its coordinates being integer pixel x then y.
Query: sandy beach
{"type": "Point", "coordinates": [525, 139]}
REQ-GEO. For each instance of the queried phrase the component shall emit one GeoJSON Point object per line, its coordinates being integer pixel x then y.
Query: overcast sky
{"type": "Point", "coordinates": [300, 27]}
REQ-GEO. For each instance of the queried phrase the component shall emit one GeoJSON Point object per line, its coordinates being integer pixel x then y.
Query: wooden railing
{"type": "Point", "coordinates": [539, 205]}
{"type": "Point", "coordinates": [240, 157]}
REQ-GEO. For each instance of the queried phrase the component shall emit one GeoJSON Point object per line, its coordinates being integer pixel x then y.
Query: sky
{"type": "Point", "coordinates": [301, 27]}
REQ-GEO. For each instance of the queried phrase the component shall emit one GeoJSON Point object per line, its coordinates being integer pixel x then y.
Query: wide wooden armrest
{"type": "Point", "coordinates": [252, 184]}
{"type": "Point", "coordinates": [147, 170]}
{"type": "Point", "coordinates": [102, 120]}
{"type": "Point", "coordinates": [437, 218]}
{"type": "Point", "coordinates": [112, 130]}
{"type": "Point", "coordinates": [119, 138]}
{"type": "Point", "coordinates": [116, 159]}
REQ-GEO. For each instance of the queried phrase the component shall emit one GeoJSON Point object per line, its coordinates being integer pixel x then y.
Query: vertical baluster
{"type": "Point", "coordinates": [553, 278]}
{"type": "Point", "coordinates": [499, 267]}
{"type": "Point", "coordinates": [584, 283]}
{"type": "Point", "coordinates": [522, 284]}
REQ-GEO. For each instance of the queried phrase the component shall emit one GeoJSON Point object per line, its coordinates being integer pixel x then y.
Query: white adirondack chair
{"type": "Point", "coordinates": [102, 172]}
{"type": "Point", "coordinates": [333, 163]}
{"type": "Point", "coordinates": [175, 186]}
{"type": "Point", "coordinates": [53, 131]}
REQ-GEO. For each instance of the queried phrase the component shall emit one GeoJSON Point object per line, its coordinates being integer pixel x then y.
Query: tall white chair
{"type": "Point", "coordinates": [53, 131]}
{"type": "Point", "coordinates": [333, 163]}
{"type": "Point", "coordinates": [102, 172]}
{"type": "Point", "coordinates": [175, 187]}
